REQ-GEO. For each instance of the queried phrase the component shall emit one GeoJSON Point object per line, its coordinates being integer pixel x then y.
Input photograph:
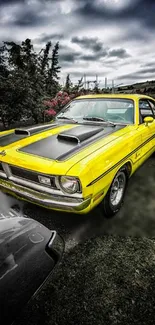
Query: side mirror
{"type": "Point", "coordinates": [148, 119]}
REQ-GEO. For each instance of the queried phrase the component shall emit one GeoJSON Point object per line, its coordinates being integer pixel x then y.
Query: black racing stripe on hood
{"type": "Point", "coordinates": [10, 138]}
{"type": "Point", "coordinates": [55, 149]}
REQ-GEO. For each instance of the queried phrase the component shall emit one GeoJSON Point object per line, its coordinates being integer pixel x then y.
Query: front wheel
{"type": "Point", "coordinates": [113, 200]}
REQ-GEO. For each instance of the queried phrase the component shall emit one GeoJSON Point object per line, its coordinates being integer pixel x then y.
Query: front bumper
{"type": "Point", "coordinates": [63, 203]}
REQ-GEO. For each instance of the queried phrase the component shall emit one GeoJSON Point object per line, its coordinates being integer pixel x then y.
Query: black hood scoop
{"type": "Point", "coordinates": [79, 134]}
{"type": "Point", "coordinates": [34, 129]}
{"type": "Point", "coordinates": [22, 132]}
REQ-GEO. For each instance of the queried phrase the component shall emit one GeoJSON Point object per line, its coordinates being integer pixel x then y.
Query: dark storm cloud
{"type": "Point", "coordinates": [139, 74]}
{"type": "Point", "coordinates": [119, 53]}
{"type": "Point", "coordinates": [69, 57]}
{"type": "Point", "coordinates": [139, 10]}
{"type": "Point", "coordinates": [44, 38]}
{"type": "Point", "coordinates": [91, 43]}
{"type": "Point", "coordinates": [146, 71]}
{"type": "Point", "coordinates": [94, 57]}
{"type": "Point", "coordinates": [48, 1]}
{"type": "Point", "coordinates": [96, 46]}
{"type": "Point", "coordinates": [135, 34]}
{"type": "Point", "coordinates": [28, 13]}
{"type": "Point", "coordinates": [148, 65]}
{"type": "Point", "coordinates": [89, 57]}
{"type": "Point", "coordinates": [10, 2]}
{"type": "Point", "coordinates": [68, 54]}
{"type": "Point", "coordinates": [29, 19]}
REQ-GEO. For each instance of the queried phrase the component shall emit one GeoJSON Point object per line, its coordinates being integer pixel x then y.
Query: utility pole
{"type": "Point", "coordinates": [106, 83]}
{"type": "Point", "coordinates": [88, 82]}
{"type": "Point", "coordinates": [113, 87]}
{"type": "Point", "coordinates": [84, 81]}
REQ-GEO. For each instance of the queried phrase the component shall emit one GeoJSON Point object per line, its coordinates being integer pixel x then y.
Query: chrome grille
{"type": "Point", "coordinates": [2, 171]}
{"type": "Point", "coordinates": [30, 176]}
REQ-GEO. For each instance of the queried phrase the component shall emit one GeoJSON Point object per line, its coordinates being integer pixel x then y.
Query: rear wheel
{"type": "Point", "coordinates": [113, 200]}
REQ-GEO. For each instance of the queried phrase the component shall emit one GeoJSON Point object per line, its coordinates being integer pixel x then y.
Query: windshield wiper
{"type": "Point", "coordinates": [97, 119]}
{"type": "Point", "coordinates": [66, 118]}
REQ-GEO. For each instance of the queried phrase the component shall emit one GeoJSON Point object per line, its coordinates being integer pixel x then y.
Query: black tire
{"type": "Point", "coordinates": [153, 155]}
{"type": "Point", "coordinates": [109, 207]}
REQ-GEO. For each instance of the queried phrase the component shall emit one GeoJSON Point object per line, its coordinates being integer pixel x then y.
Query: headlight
{"type": "Point", "coordinates": [68, 184]}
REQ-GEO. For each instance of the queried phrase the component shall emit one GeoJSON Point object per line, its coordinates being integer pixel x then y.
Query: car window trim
{"type": "Point", "coordinates": [151, 100]}
{"type": "Point", "coordinates": [145, 100]}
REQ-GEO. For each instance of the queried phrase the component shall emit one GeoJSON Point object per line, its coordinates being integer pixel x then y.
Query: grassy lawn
{"type": "Point", "coordinates": [106, 280]}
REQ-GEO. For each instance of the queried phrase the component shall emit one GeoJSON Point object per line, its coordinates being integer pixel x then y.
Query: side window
{"type": "Point", "coordinates": [152, 104]}
{"type": "Point", "coordinates": [145, 109]}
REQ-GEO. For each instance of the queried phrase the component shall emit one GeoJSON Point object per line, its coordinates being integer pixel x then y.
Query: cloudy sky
{"type": "Point", "coordinates": [110, 38]}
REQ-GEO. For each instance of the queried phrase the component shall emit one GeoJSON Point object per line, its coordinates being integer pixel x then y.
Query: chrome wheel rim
{"type": "Point", "coordinates": [117, 189]}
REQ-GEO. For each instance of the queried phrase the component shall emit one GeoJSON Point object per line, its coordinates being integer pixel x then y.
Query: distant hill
{"type": "Point", "coordinates": [145, 87]}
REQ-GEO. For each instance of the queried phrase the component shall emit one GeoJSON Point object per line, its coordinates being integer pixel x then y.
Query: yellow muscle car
{"type": "Point", "coordinates": [84, 157]}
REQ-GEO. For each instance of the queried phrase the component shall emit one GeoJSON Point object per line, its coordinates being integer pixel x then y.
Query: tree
{"type": "Point", "coordinates": [78, 87]}
{"type": "Point", "coordinates": [14, 55]}
{"type": "Point", "coordinates": [96, 88]}
{"type": "Point", "coordinates": [14, 94]}
{"type": "Point", "coordinates": [26, 79]}
{"type": "Point", "coordinates": [68, 84]}
{"type": "Point", "coordinates": [29, 58]}
{"type": "Point", "coordinates": [23, 88]}
{"type": "Point", "coordinates": [4, 84]}
{"type": "Point", "coordinates": [53, 73]}
{"type": "Point", "coordinates": [3, 66]}
{"type": "Point", "coordinates": [44, 59]}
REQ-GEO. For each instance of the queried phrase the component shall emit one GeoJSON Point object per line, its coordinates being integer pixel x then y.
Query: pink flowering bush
{"type": "Point", "coordinates": [55, 104]}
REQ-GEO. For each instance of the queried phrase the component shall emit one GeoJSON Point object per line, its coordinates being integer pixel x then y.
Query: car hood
{"type": "Point", "coordinates": [10, 137]}
{"type": "Point", "coordinates": [13, 228]}
{"type": "Point", "coordinates": [60, 147]}
{"type": "Point", "coordinates": [28, 253]}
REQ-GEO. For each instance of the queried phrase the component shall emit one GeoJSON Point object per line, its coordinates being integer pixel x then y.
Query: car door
{"type": "Point", "coordinates": [152, 104]}
{"type": "Point", "coordinates": [147, 131]}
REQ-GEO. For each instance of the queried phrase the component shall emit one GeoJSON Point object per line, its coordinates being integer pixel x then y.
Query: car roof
{"type": "Point", "coordinates": [121, 96]}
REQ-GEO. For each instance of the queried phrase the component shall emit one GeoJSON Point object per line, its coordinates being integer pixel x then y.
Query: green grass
{"type": "Point", "coordinates": [106, 280]}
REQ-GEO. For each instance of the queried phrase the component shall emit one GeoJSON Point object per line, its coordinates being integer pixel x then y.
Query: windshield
{"type": "Point", "coordinates": [114, 110]}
